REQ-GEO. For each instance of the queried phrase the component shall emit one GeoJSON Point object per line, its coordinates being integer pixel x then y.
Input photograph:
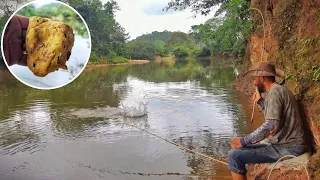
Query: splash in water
{"type": "Point", "coordinates": [134, 110]}
{"type": "Point", "coordinates": [126, 109]}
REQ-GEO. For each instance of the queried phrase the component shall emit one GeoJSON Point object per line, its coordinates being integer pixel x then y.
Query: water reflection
{"type": "Point", "coordinates": [81, 125]}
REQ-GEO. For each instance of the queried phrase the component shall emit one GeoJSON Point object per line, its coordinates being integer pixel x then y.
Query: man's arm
{"type": "Point", "coordinates": [267, 128]}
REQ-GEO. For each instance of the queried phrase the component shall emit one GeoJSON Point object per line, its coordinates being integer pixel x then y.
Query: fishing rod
{"type": "Point", "coordinates": [262, 51]}
{"type": "Point", "coordinates": [257, 92]}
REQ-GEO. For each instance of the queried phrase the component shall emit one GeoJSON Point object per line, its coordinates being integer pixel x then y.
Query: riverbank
{"type": "Point", "coordinates": [244, 86]}
{"type": "Point", "coordinates": [130, 62]}
{"type": "Point", "coordinates": [295, 52]}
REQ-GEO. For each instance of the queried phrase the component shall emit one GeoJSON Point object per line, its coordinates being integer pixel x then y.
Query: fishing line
{"type": "Point", "coordinates": [173, 143]}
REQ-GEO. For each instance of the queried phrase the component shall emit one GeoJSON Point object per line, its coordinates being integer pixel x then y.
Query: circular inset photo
{"type": "Point", "coordinates": [46, 44]}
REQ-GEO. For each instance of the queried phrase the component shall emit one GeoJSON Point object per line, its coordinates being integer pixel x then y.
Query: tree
{"type": "Point", "coordinates": [163, 36]}
{"type": "Point", "coordinates": [107, 35]}
{"type": "Point", "coordinates": [160, 47]}
{"type": "Point", "coordinates": [226, 33]}
{"type": "Point", "coordinates": [2, 23]}
{"type": "Point", "coordinates": [203, 34]}
{"type": "Point", "coordinates": [181, 52]}
{"type": "Point", "coordinates": [179, 38]}
{"type": "Point", "coordinates": [204, 52]}
{"type": "Point", "coordinates": [198, 6]}
{"type": "Point", "coordinates": [10, 6]}
{"type": "Point", "coordinates": [141, 49]}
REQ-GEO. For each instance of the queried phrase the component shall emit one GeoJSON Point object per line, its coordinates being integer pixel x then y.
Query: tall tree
{"type": "Point", "coordinates": [198, 6]}
{"type": "Point", "coordinates": [163, 36]}
{"type": "Point", "coordinates": [107, 35]}
{"type": "Point", "coordinates": [10, 6]}
{"type": "Point", "coordinates": [141, 49]}
{"type": "Point", "coordinates": [228, 32]}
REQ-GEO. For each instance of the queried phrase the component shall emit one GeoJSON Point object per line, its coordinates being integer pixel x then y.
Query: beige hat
{"type": "Point", "coordinates": [265, 68]}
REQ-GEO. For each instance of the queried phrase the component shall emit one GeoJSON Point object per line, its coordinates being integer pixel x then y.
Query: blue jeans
{"type": "Point", "coordinates": [259, 153]}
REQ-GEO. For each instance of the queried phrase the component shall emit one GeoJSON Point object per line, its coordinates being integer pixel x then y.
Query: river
{"type": "Point", "coordinates": [80, 131]}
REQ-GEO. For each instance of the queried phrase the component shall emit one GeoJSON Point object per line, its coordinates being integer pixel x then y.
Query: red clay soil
{"type": "Point", "coordinates": [259, 171]}
{"type": "Point", "coordinates": [292, 43]}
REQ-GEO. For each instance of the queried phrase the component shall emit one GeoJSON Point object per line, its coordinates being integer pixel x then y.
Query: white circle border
{"type": "Point", "coordinates": [46, 88]}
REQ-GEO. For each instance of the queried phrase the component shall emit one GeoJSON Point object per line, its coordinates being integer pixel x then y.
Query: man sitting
{"type": "Point", "coordinates": [282, 132]}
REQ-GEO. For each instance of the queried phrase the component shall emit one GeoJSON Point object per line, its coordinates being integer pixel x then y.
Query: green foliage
{"type": "Point", "coordinates": [316, 74]}
{"type": "Point", "coordinates": [181, 52]}
{"type": "Point", "coordinates": [94, 57]}
{"type": "Point", "coordinates": [107, 35]}
{"type": "Point", "coordinates": [118, 59]}
{"type": "Point", "coordinates": [53, 10]}
{"type": "Point", "coordinates": [177, 71]}
{"type": "Point", "coordinates": [160, 47]}
{"type": "Point", "coordinates": [226, 34]}
{"type": "Point", "coordinates": [198, 6]}
{"type": "Point", "coordinates": [2, 23]}
{"type": "Point", "coordinates": [232, 36]}
{"type": "Point", "coordinates": [154, 36]}
{"type": "Point", "coordinates": [204, 34]}
{"type": "Point", "coordinates": [235, 9]}
{"type": "Point", "coordinates": [292, 40]}
{"type": "Point", "coordinates": [204, 52]}
{"type": "Point", "coordinates": [178, 43]}
{"type": "Point", "coordinates": [141, 49]}
{"type": "Point", "coordinates": [59, 12]}
{"type": "Point", "coordinates": [181, 45]}
{"type": "Point", "coordinates": [179, 39]}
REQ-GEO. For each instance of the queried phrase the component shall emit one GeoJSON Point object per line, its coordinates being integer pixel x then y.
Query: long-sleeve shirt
{"type": "Point", "coordinates": [283, 121]}
{"type": "Point", "coordinates": [267, 128]}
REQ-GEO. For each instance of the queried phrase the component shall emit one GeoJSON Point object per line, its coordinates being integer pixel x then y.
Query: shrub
{"type": "Point", "coordinates": [204, 52]}
{"type": "Point", "coordinates": [181, 52]}
{"type": "Point", "coordinates": [118, 59]}
{"type": "Point", "coordinates": [94, 58]}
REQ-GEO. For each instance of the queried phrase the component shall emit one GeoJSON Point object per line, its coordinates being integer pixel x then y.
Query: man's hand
{"type": "Point", "coordinates": [235, 143]}
{"type": "Point", "coordinates": [256, 96]}
{"type": "Point", "coordinates": [14, 41]}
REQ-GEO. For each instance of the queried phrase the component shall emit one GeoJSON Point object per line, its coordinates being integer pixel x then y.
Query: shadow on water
{"type": "Point", "coordinates": [187, 101]}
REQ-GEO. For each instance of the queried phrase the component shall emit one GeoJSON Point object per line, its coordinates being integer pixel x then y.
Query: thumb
{"type": "Point", "coordinates": [257, 90]}
{"type": "Point", "coordinates": [254, 96]}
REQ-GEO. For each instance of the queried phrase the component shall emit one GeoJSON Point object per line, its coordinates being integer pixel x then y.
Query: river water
{"type": "Point", "coordinates": [80, 131]}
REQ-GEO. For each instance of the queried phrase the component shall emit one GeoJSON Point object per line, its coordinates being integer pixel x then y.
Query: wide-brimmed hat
{"type": "Point", "coordinates": [265, 68]}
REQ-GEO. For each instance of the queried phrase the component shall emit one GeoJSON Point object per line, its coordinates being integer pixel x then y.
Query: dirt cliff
{"type": "Point", "coordinates": [292, 42]}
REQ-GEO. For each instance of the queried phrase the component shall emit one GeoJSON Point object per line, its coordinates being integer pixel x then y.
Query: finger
{"type": "Point", "coordinates": [254, 96]}
{"type": "Point", "coordinates": [16, 51]}
{"type": "Point", "coordinates": [23, 60]}
{"type": "Point", "coordinates": [23, 38]}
